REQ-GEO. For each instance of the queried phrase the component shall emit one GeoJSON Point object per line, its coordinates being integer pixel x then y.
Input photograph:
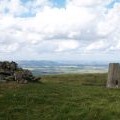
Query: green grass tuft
{"type": "Point", "coordinates": [61, 97]}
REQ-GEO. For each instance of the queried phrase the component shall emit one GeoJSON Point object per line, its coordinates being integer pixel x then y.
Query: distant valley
{"type": "Point", "coordinates": [63, 67]}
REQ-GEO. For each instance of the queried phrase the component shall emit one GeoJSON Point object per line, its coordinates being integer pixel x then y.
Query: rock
{"type": "Point", "coordinates": [9, 71]}
{"type": "Point", "coordinates": [18, 76]}
{"type": "Point", "coordinates": [28, 75]}
{"type": "Point", "coordinates": [13, 66]}
{"type": "Point", "coordinates": [10, 78]}
{"type": "Point", "coordinates": [23, 76]}
{"type": "Point", "coordinates": [2, 77]}
{"type": "Point", "coordinates": [37, 79]}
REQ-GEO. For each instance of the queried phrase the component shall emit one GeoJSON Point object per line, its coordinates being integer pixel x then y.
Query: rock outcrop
{"type": "Point", "coordinates": [9, 71]}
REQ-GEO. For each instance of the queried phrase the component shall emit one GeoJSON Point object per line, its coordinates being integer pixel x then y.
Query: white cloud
{"type": "Point", "coordinates": [66, 45]}
{"type": "Point", "coordinates": [82, 26]}
{"type": "Point", "coordinates": [9, 48]}
{"type": "Point", "coordinates": [111, 21]}
{"type": "Point", "coordinates": [89, 2]}
{"type": "Point", "coordinates": [101, 46]}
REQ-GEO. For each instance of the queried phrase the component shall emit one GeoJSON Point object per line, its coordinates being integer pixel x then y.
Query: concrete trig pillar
{"type": "Point", "coordinates": [113, 75]}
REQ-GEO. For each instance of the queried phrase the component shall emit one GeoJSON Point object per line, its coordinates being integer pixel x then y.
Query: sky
{"type": "Point", "coordinates": [87, 30]}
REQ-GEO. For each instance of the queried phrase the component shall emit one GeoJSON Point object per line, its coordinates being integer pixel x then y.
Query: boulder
{"type": "Point", "coordinates": [9, 71]}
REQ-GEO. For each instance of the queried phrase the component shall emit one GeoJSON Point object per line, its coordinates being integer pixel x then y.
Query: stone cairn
{"type": "Point", "coordinates": [9, 71]}
{"type": "Point", "coordinates": [113, 75]}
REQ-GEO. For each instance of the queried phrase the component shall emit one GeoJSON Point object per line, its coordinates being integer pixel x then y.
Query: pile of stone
{"type": "Point", "coordinates": [9, 71]}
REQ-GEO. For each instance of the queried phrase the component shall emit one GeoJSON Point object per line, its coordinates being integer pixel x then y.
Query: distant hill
{"type": "Point", "coordinates": [37, 63]}
{"type": "Point", "coordinates": [43, 63]}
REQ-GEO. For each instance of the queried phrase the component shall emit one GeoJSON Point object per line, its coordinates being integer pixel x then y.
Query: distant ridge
{"type": "Point", "coordinates": [38, 63]}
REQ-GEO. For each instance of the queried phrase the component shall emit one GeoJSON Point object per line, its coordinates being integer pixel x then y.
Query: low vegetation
{"type": "Point", "coordinates": [60, 97]}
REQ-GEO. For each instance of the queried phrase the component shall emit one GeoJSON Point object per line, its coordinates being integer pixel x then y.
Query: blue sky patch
{"type": "Point", "coordinates": [58, 3]}
{"type": "Point", "coordinates": [111, 5]}
{"type": "Point", "coordinates": [25, 1]}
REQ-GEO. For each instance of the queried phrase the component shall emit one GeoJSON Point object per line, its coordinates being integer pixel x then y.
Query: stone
{"type": "Point", "coordinates": [9, 71]}
{"type": "Point", "coordinates": [13, 66]}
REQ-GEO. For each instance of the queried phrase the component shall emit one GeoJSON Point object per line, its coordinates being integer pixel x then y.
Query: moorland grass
{"type": "Point", "coordinates": [61, 97]}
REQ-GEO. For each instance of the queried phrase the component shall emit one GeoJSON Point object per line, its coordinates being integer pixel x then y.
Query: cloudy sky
{"type": "Point", "coordinates": [60, 30]}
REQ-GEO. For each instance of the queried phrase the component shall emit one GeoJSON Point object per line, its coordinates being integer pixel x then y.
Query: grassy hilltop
{"type": "Point", "coordinates": [61, 97]}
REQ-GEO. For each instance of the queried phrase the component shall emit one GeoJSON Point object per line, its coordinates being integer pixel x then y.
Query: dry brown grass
{"type": "Point", "coordinates": [10, 85]}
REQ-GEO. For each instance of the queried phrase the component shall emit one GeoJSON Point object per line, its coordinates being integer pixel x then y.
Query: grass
{"type": "Point", "coordinates": [61, 97]}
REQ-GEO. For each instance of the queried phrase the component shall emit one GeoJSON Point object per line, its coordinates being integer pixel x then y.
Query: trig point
{"type": "Point", "coordinates": [113, 75]}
